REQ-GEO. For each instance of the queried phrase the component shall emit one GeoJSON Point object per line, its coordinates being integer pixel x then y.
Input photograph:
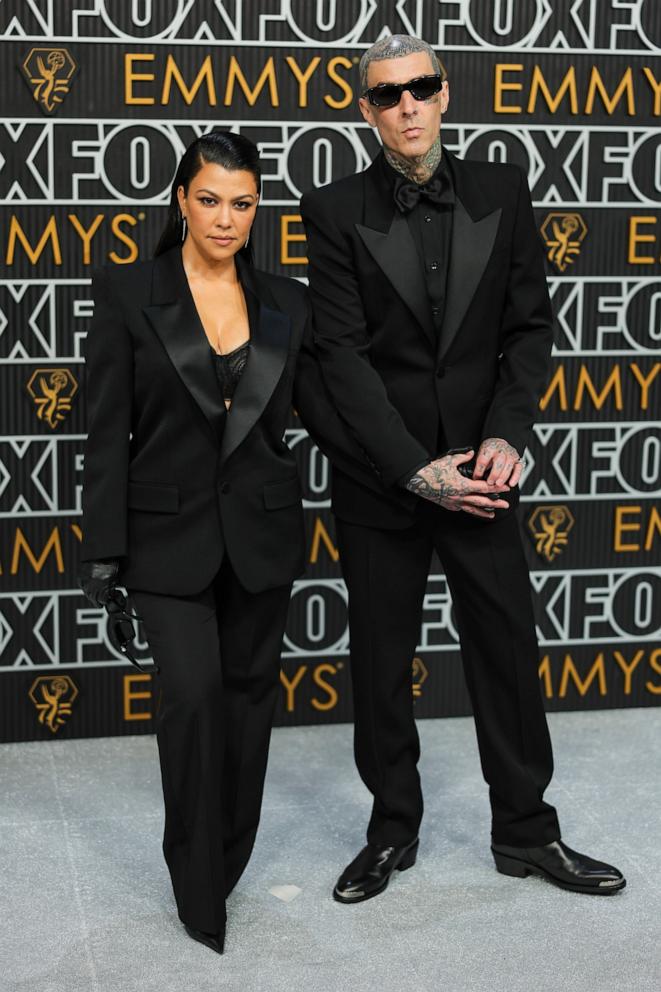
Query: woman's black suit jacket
{"type": "Point", "coordinates": [172, 481]}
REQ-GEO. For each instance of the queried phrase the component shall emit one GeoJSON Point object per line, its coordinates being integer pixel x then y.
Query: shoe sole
{"type": "Point", "coordinates": [407, 862]}
{"type": "Point", "coordinates": [521, 869]}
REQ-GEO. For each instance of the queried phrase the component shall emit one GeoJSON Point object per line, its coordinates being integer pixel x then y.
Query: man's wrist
{"type": "Point", "coordinates": [406, 480]}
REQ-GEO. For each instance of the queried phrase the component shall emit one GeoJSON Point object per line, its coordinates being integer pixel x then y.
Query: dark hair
{"type": "Point", "coordinates": [233, 152]}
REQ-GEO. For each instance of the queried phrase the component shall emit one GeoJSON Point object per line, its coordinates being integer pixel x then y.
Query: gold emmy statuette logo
{"type": "Point", "coordinates": [563, 234]}
{"type": "Point", "coordinates": [53, 696]}
{"type": "Point", "coordinates": [49, 72]}
{"type": "Point", "coordinates": [420, 675]}
{"type": "Point", "coordinates": [550, 526]}
{"type": "Point", "coordinates": [52, 391]}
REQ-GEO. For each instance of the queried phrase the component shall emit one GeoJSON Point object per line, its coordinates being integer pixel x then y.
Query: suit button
{"type": "Point", "coordinates": [435, 311]}
{"type": "Point", "coordinates": [225, 488]}
{"type": "Point", "coordinates": [440, 371]}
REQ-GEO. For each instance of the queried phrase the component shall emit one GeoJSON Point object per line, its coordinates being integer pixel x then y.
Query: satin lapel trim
{"type": "Point", "coordinates": [396, 254]}
{"type": "Point", "coordinates": [471, 245]}
{"type": "Point", "coordinates": [269, 346]}
{"type": "Point", "coordinates": [182, 335]}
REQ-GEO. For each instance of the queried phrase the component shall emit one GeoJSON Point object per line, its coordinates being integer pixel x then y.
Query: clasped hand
{"type": "Point", "coordinates": [441, 481]}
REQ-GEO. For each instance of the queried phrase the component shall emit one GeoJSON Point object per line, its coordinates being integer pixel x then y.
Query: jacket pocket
{"type": "Point", "coordinates": [280, 494]}
{"type": "Point", "coordinates": [153, 497]}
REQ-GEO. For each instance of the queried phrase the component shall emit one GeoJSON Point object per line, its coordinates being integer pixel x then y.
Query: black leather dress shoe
{"type": "Point", "coordinates": [558, 864]}
{"type": "Point", "coordinates": [216, 941]}
{"type": "Point", "coordinates": [370, 872]}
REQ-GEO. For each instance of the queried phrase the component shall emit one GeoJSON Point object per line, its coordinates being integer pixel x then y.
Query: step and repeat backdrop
{"type": "Point", "coordinates": [100, 98]}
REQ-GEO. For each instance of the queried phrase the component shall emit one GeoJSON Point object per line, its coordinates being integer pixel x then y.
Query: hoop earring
{"type": "Point", "coordinates": [245, 243]}
{"type": "Point", "coordinates": [183, 228]}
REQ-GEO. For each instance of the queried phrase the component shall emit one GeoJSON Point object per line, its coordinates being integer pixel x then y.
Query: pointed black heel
{"type": "Point", "coordinates": [215, 941]}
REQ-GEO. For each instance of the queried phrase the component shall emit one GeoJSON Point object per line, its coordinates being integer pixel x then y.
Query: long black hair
{"type": "Point", "coordinates": [234, 152]}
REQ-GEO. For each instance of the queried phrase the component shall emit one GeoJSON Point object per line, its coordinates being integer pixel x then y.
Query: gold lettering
{"type": "Point", "coordinates": [77, 532]}
{"type": "Point", "coordinates": [500, 86]}
{"type": "Point", "coordinates": [613, 382]}
{"type": "Point", "coordinates": [290, 687]}
{"type": "Point", "coordinates": [629, 668]}
{"type": "Point", "coordinates": [205, 74]}
{"type": "Point", "coordinates": [645, 381]}
{"type": "Point", "coordinates": [635, 239]}
{"type": "Point", "coordinates": [557, 382]}
{"type": "Point", "coordinates": [569, 671]}
{"type": "Point", "coordinates": [122, 236]}
{"type": "Point", "coordinates": [130, 695]}
{"type": "Point", "coordinates": [130, 76]}
{"type": "Point", "coordinates": [287, 238]}
{"type": "Point", "coordinates": [620, 526]}
{"type": "Point", "coordinates": [16, 233]}
{"type": "Point", "coordinates": [331, 702]}
{"type": "Point", "coordinates": [320, 535]}
{"type": "Point", "coordinates": [21, 544]}
{"type": "Point", "coordinates": [653, 528]}
{"type": "Point", "coordinates": [235, 75]}
{"type": "Point", "coordinates": [340, 82]}
{"type": "Point", "coordinates": [302, 76]}
{"type": "Point", "coordinates": [596, 85]}
{"type": "Point", "coordinates": [655, 664]}
{"type": "Point", "coordinates": [538, 85]}
{"type": "Point", "coordinates": [544, 672]}
{"type": "Point", "coordinates": [656, 89]}
{"type": "Point", "coordinates": [86, 235]}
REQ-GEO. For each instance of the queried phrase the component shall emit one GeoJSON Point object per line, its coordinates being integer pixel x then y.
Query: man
{"type": "Point", "coordinates": [434, 331]}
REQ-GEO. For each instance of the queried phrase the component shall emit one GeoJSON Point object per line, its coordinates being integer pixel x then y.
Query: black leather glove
{"type": "Point", "coordinates": [97, 580]}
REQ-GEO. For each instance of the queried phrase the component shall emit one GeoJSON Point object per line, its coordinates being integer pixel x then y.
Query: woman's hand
{"type": "Point", "coordinates": [97, 580]}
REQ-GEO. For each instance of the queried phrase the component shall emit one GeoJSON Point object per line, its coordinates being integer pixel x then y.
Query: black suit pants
{"type": "Point", "coordinates": [386, 575]}
{"type": "Point", "coordinates": [219, 659]}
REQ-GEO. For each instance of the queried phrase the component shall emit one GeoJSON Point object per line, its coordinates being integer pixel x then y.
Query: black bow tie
{"type": "Point", "coordinates": [408, 194]}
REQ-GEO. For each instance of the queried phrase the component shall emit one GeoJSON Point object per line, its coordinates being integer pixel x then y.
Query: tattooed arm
{"type": "Point", "coordinates": [441, 482]}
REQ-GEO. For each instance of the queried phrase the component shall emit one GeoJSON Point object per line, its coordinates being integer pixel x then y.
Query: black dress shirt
{"type": "Point", "coordinates": [431, 228]}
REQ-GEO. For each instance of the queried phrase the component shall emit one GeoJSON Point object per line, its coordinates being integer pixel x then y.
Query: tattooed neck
{"type": "Point", "coordinates": [420, 169]}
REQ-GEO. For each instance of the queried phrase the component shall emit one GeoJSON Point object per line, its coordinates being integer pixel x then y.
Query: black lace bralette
{"type": "Point", "coordinates": [229, 368]}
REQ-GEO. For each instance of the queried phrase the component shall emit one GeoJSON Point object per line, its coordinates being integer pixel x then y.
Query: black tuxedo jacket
{"type": "Point", "coordinates": [398, 386]}
{"type": "Point", "coordinates": [171, 480]}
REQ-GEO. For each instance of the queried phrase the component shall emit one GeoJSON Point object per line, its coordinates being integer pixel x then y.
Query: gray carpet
{"type": "Point", "coordinates": [86, 901]}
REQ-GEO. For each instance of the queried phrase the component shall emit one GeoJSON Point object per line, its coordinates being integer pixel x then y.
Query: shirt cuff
{"type": "Point", "coordinates": [405, 479]}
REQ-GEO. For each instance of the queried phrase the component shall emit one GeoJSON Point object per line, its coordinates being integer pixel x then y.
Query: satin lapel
{"type": "Point", "coordinates": [269, 345]}
{"type": "Point", "coordinates": [470, 248]}
{"type": "Point", "coordinates": [180, 330]}
{"type": "Point", "coordinates": [396, 254]}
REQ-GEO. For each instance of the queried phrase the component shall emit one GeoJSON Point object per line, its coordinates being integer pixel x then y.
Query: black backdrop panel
{"type": "Point", "coordinates": [100, 97]}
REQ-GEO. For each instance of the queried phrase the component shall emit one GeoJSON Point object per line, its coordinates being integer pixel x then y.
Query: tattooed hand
{"type": "Point", "coordinates": [441, 483]}
{"type": "Point", "coordinates": [501, 460]}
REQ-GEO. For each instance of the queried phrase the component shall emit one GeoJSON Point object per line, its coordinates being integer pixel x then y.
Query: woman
{"type": "Point", "coordinates": [191, 500]}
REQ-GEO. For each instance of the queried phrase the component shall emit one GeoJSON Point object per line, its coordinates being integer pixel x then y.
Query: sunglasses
{"type": "Point", "coordinates": [389, 94]}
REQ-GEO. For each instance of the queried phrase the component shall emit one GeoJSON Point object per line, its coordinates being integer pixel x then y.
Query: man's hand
{"type": "Point", "coordinates": [500, 460]}
{"type": "Point", "coordinates": [441, 483]}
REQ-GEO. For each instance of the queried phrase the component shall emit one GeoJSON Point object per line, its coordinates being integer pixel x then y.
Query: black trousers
{"type": "Point", "coordinates": [386, 574]}
{"type": "Point", "coordinates": [219, 659]}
